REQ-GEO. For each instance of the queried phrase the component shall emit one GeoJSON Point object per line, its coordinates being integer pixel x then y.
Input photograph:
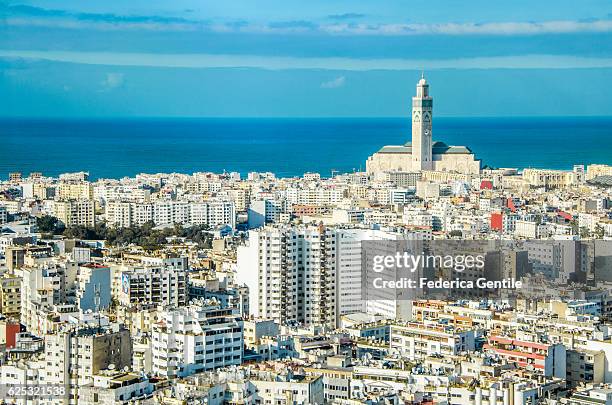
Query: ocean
{"type": "Point", "coordinates": [113, 148]}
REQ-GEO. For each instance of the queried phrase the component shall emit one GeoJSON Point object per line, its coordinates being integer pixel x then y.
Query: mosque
{"type": "Point", "coordinates": [422, 153]}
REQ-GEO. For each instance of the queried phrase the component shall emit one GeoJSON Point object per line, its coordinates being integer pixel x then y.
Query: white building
{"type": "Point", "coordinates": [308, 274]}
{"type": "Point", "coordinates": [213, 213]}
{"type": "Point", "coordinates": [291, 274]}
{"type": "Point", "coordinates": [135, 286]}
{"type": "Point", "coordinates": [416, 341]}
{"type": "Point", "coordinates": [196, 338]}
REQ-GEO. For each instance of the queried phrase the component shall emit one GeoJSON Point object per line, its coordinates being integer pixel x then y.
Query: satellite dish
{"type": "Point", "coordinates": [111, 366]}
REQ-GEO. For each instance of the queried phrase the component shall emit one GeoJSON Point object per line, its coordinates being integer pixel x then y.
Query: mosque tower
{"type": "Point", "coordinates": [422, 105]}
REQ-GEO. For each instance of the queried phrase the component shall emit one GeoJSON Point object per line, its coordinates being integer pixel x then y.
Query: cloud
{"type": "Point", "coordinates": [112, 81]}
{"type": "Point", "coordinates": [204, 61]}
{"type": "Point", "coordinates": [501, 28]}
{"type": "Point", "coordinates": [299, 25]}
{"type": "Point", "coordinates": [346, 16]}
{"type": "Point", "coordinates": [23, 10]}
{"type": "Point", "coordinates": [335, 83]}
{"type": "Point", "coordinates": [21, 15]}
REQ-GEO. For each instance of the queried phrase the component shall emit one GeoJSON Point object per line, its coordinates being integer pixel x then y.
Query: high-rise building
{"type": "Point", "coordinates": [291, 274]}
{"type": "Point", "coordinates": [73, 356]}
{"type": "Point", "coordinates": [144, 286]}
{"type": "Point", "coordinates": [309, 275]}
{"type": "Point", "coordinates": [196, 338]}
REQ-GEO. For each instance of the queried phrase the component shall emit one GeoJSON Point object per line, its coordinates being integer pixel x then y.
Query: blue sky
{"type": "Point", "coordinates": [295, 58]}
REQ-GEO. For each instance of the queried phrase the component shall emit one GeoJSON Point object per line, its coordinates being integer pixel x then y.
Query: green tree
{"type": "Point", "coordinates": [49, 224]}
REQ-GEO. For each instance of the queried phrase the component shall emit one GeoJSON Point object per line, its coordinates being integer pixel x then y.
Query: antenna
{"type": "Point", "coordinates": [97, 301]}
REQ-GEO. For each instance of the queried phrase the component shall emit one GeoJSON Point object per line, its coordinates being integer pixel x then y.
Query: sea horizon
{"type": "Point", "coordinates": [115, 147]}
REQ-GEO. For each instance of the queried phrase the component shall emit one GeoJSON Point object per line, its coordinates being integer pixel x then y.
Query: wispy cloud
{"type": "Point", "coordinates": [299, 25]}
{"type": "Point", "coordinates": [346, 16]}
{"type": "Point", "coordinates": [502, 28]}
{"type": "Point", "coordinates": [112, 81]}
{"type": "Point", "coordinates": [30, 11]}
{"type": "Point", "coordinates": [335, 83]}
{"type": "Point", "coordinates": [23, 15]}
{"type": "Point", "coordinates": [199, 61]}
{"type": "Point", "coordinates": [342, 24]}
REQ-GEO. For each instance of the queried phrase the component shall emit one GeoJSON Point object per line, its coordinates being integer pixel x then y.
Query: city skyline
{"type": "Point", "coordinates": [333, 202]}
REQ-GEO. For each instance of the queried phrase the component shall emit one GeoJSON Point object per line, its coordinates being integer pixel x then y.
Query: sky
{"type": "Point", "coordinates": [287, 58]}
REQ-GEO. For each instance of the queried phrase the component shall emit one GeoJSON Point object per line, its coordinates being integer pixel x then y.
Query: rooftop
{"type": "Point", "coordinates": [438, 148]}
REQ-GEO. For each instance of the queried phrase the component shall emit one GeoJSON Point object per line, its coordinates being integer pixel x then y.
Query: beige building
{"type": "Point", "coordinates": [423, 153]}
{"type": "Point", "coordinates": [549, 178]}
{"type": "Point", "coordinates": [10, 295]}
{"type": "Point", "coordinates": [598, 170]}
{"type": "Point", "coordinates": [75, 212]}
{"type": "Point", "coordinates": [586, 366]}
{"type": "Point", "coordinates": [75, 190]}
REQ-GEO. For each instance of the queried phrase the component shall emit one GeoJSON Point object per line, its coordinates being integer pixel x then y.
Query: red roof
{"type": "Point", "coordinates": [565, 215]}
{"type": "Point", "coordinates": [511, 205]}
{"type": "Point", "coordinates": [505, 340]}
{"type": "Point", "coordinates": [486, 185]}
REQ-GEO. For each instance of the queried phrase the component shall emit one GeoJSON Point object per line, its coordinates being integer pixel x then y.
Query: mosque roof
{"type": "Point", "coordinates": [438, 148]}
{"type": "Point", "coordinates": [396, 149]}
{"type": "Point", "coordinates": [603, 180]}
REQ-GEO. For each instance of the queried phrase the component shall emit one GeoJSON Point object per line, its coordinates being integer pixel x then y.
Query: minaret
{"type": "Point", "coordinates": [422, 105]}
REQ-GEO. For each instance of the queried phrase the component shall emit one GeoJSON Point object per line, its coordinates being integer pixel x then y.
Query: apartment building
{"type": "Point", "coordinates": [45, 287]}
{"type": "Point", "coordinates": [196, 338]}
{"type": "Point", "coordinates": [586, 366]}
{"type": "Point", "coordinates": [10, 295]}
{"type": "Point", "coordinates": [299, 390]}
{"type": "Point", "coordinates": [549, 178]}
{"type": "Point", "coordinates": [262, 212]}
{"type": "Point", "coordinates": [213, 213]}
{"type": "Point", "coordinates": [75, 190]}
{"type": "Point", "coordinates": [310, 275]}
{"type": "Point", "coordinates": [315, 196]}
{"type": "Point", "coordinates": [416, 341]}
{"type": "Point", "coordinates": [93, 284]}
{"type": "Point", "coordinates": [144, 286]}
{"type": "Point", "coordinates": [593, 396]}
{"type": "Point", "coordinates": [291, 274]}
{"type": "Point", "coordinates": [75, 212]}
{"type": "Point", "coordinates": [74, 355]}
{"type": "Point", "coordinates": [547, 359]}
{"type": "Point", "coordinates": [115, 387]}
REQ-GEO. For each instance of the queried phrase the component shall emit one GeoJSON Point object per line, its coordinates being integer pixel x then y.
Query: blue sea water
{"type": "Point", "coordinates": [285, 146]}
